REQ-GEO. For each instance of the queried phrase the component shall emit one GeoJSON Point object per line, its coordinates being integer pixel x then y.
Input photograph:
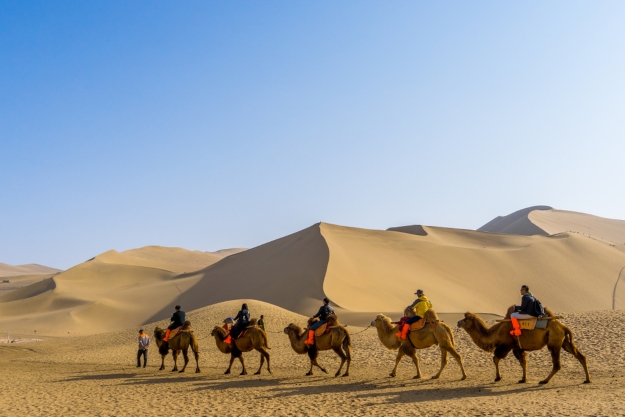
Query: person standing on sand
{"type": "Point", "coordinates": [261, 322]}
{"type": "Point", "coordinates": [144, 343]}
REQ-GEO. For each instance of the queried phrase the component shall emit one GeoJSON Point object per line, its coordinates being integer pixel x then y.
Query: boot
{"type": "Point", "coordinates": [228, 339]}
{"type": "Point", "coordinates": [311, 338]}
{"type": "Point", "coordinates": [404, 332]}
{"type": "Point", "coordinates": [516, 331]}
{"type": "Point", "coordinates": [166, 338]}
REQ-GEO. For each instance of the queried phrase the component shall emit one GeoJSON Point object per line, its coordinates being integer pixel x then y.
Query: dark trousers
{"type": "Point", "coordinates": [413, 319]}
{"type": "Point", "coordinates": [143, 352]}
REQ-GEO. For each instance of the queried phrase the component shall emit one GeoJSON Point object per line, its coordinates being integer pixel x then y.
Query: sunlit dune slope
{"type": "Point", "coordinates": [110, 292]}
{"type": "Point", "coordinates": [7, 270]}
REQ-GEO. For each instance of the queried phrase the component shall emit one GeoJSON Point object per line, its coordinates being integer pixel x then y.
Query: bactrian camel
{"type": "Point", "coordinates": [338, 340]}
{"type": "Point", "coordinates": [181, 342]}
{"type": "Point", "coordinates": [435, 332]}
{"type": "Point", "coordinates": [497, 339]}
{"type": "Point", "coordinates": [255, 338]}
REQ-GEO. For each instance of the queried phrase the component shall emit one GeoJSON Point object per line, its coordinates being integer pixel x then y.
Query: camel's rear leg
{"type": "Point", "coordinates": [555, 359]}
{"type": "Point", "coordinates": [343, 357]}
{"type": "Point", "coordinates": [262, 362]}
{"type": "Point", "coordinates": [197, 361]}
{"type": "Point", "coordinates": [232, 358]}
{"type": "Point", "coordinates": [312, 355]}
{"type": "Point", "coordinates": [244, 371]}
{"type": "Point", "coordinates": [443, 363]}
{"type": "Point", "coordinates": [265, 354]}
{"type": "Point", "coordinates": [453, 352]}
{"type": "Point", "coordinates": [521, 355]}
{"type": "Point", "coordinates": [348, 354]}
{"type": "Point", "coordinates": [572, 349]}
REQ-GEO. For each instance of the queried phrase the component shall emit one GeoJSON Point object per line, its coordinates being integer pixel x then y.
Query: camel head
{"type": "Point", "coordinates": [219, 331]}
{"type": "Point", "coordinates": [468, 321]}
{"type": "Point", "coordinates": [380, 318]}
{"type": "Point", "coordinates": [294, 328]}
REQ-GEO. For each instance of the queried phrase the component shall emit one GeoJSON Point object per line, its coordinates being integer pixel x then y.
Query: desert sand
{"type": "Point", "coordinates": [96, 375]}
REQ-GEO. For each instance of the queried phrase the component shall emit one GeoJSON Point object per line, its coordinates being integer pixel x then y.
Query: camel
{"type": "Point", "coordinates": [435, 332]}
{"type": "Point", "coordinates": [338, 340]}
{"type": "Point", "coordinates": [497, 339]}
{"type": "Point", "coordinates": [181, 342]}
{"type": "Point", "coordinates": [254, 339]}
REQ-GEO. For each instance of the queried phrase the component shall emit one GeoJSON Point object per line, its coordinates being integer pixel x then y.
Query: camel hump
{"type": "Point", "coordinates": [431, 315]}
{"type": "Point", "coordinates": [254, 322]}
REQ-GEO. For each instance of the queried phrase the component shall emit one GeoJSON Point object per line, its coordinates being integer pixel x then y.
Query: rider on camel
{"type": "Point", "coordinates": [242, 321]}
{"type": "Point", "coordinates": [423, 304]}
{"type": "Point", "coordinates": [526, 310]}
{"type": "Point", "coordinates": [177, 320]}
{"type": "Point", "coordinates": [324, 312]}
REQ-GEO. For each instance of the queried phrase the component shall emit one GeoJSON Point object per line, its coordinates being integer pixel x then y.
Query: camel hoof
{"type": "Point", "coordinates": [392, 375]}
{"type": "Point", "coordinates": [226, 373]}
{"type": "Point", "coordinates": [345, 374]}
{"type": "Point", "coordinates": [181, 371]}
{"type": "Point", "coordinates": [463, 378]}
{"type": "Point", "coordinates": [416, 377]}
{"type": "Point", "coordinates": [322, 370]}
{"type": "Point", "coordinates": [522, 381]}
{"type": "Point", "coordinates": [337, 374]}
{"type": "Point", "coordinates": [309, 373]}
{"type": "Point", "coordinates": [543, 382]}
{"type": "Point", "coordinates": [197, 371]}
{"type": "Point", "coordinates": [257, 373]}
{"type": "Point", "coordinates": [174, 370]}
{"type": "Point", "coordinates": [435, 377]}
{"type": "Point", "coordinates": [587, 381]}
{"type": "Point", "coordinates": [243, 373]}
{"type": "Point", "coordinates": [498, 379]}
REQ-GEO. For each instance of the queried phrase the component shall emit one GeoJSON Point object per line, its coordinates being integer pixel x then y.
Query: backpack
{"type": "Point", "coordinates": [538, 308]}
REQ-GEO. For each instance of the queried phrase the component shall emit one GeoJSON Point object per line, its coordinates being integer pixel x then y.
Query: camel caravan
{"type": "Point", "coordinates": [526, 327]}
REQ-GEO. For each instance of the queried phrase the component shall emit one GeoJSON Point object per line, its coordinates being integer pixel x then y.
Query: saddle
{"type": "Point", "coordinates": [528, 324]}
{"type": "Point", "coordinates": [323, 329]}
{"type": "Point", "coordinates": [175, 332]}
{"type": "Point", "coordinates": [418, 325]}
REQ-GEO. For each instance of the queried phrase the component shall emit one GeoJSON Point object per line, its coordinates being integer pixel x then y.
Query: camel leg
{"type": "Point", "coordinates": [262, 362]}
{"type": "Point", "coordinates": [348, 356]}
{"type": "Point", "coordinates": [400, 354]}
{"type": "Point", "coordinates": [244, 371]}
{"type": "Point", "coordinates": [174, 353]}
{"type": "Point", "coordinates": [521, 355]}
{"type": "Point", "coordinates": [572, 349]}
{"type": "Point", "coordinates": [197, 361]}
{"type": "Point", "coordinates": [266, 355]}
{"type": "Point", "coordinates": [500, 353]}
{"type": "Point", "coordinates": [232, 357]}
{"type": "Point", "coordinates": [185, 355]}
{"type": "Point", "coordinates": [452, 351]}
{"type": "Point", "coordinates": [162, 362]}
{"type": "Point", "coordinates": [415, 360]}
{"type": "Point", "coordinates": [443, 363]}
{"type": "Point", "coordinates": [343, 357]}
{"type": "Point", "coordinates": [312, 355]}
{"type": "Point", "coordinates": [555, 359]}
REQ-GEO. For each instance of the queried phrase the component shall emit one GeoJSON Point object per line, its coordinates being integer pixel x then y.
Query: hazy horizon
{"type": "Point", "coordinates": [215, 125]}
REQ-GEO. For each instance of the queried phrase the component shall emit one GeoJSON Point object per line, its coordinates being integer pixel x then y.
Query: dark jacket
{"type": "Point", "coordinates": [324, 311]}
{"type": "Point", "coordinates": [178, 318]}
{"type": "Point", "coordinates": [527, 305]}
{"type": "Point", "coordinates": [242, 318]}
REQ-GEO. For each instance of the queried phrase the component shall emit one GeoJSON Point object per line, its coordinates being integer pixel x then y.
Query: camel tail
{"type": "Point", "coordinates": [568, 334]}
{"type": "Point", "coordinates": [450, 333]}
{"type": "Point", "coordinates": [348, 338]}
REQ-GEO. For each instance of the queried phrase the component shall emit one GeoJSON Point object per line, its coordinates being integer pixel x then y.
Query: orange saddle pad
{"type": "Point", "coordinates": [174, 332]}
{"type": "Point", "coordinates": [321, 330]}
{"type": "Point", "coordinates": [417, 325]}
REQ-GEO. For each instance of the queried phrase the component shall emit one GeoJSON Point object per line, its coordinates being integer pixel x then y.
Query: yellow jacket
{"type": "Point", "coordinates": [422, 305]}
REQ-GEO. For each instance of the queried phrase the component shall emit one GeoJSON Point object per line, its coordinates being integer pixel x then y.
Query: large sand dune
{"type": "Point", "coordinates": [362, 271]}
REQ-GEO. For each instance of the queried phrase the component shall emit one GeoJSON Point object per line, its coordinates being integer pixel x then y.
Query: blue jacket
{"type": "Point", "coordinates": [324, 311]}
{"type": "Point", "coordinates": [527, 305]}
{"type": "Point", "coordinates": [242, 318]}
{"type": "Point", "coordinates": [178, 318]}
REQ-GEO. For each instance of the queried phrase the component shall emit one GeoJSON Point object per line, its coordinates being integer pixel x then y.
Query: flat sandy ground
{"type": "Point", "coordinates": [97, 376]}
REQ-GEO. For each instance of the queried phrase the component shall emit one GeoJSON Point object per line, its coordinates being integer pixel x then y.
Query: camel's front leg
{"type": "Point", "coordinates": [162, 362]}
{"type": "Point", "coordinates": [415, 360]}
{"type": "Point", "coordinates": [522, 357]}
{"type": "Point", "coordinates": [500, 353]}
{"type": "Point", "coordinates": [443, 363]}
{"type": "Point", "coordinates": [197, 361]}
{"type": "Point", "coordinates": [555, 359]}
{"type": "Point", "coordinates": [174, 353]}
{"type": "Point", "coordinates": [244, 371]}
{"type": "Point", "coordinates": [232, 357]}
{"type": "Point", "coordinates": [185, 355]}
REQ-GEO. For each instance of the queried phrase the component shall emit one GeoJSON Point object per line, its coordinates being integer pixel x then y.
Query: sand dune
{"type": "Point", "coordinates": [516, 223]}
{"type": "Point", "coordinates": [110, 292]}
{"type": "Point", "coordinates": [7, 270]}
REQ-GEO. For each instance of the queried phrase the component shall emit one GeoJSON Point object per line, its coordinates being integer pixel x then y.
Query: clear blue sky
{"type": "Point", "coordinates": [209, 125]}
